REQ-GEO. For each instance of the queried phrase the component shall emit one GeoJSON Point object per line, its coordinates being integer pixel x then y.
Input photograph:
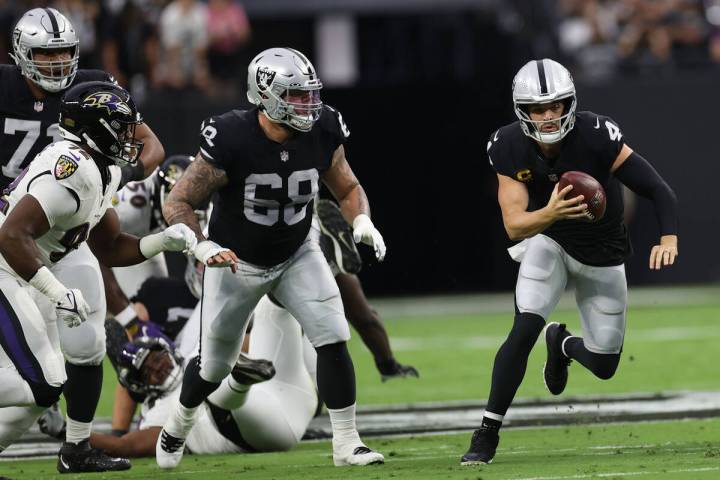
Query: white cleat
{"type": "Point", "coordinates": [356, 454]}
{"type": "Point", "coordinates": [168, 450]}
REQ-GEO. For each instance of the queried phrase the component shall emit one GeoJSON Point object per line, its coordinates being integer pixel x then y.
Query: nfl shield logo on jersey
{"type": "Point", "coordinates": [39, 106]}
{"type": "Point", "coordinates": [65, 167]}
{"type": "Point", "coordinates": [284, 156]}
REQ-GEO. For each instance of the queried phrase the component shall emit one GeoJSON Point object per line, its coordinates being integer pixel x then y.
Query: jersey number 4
{"type": "Point", "coordinates": [267, 211]}
{"type": "Point", "coordinates": [31, 128]}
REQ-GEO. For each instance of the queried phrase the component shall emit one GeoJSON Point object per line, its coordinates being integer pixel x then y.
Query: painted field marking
{"type": "Point", "coordinates": [614, 474]}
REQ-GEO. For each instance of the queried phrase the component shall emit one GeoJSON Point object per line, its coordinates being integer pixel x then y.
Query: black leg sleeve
{"type": "Point", "coordinates": [511, 361]}
{"type": "Point", "coordinates": [82, 390]}
{"type": "Point", "coordinates": [602, 365]}
{"type": "Point", "coordinates": [194, 388]}
{"type": "Point", "coordinates": [335, 375]}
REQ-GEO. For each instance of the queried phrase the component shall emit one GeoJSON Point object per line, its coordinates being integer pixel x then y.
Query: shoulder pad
{"type": "Point", "coordinates": [72, 167]}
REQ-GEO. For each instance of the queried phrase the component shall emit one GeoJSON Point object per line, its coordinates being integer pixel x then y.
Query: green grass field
{"type": "Point", "coordinates": [666, 348]}
{"type": "Point", "coordinates": [659, 451]}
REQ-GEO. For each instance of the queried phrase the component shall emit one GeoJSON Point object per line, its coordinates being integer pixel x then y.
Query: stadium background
{"type": "Point", "coordinates": [422, 84]}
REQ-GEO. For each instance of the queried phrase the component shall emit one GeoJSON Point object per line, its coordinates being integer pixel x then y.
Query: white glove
{"type": "Point", "coordinates": [364, 231]}
{"type": "Point", "coordinates": [207, 249]}
{"type": "Point", "coordinates": [70, 305]}
{"type": "Point", "coordinates": [72, 308]}
{"type": "Point", "coordinates": [175, 238]}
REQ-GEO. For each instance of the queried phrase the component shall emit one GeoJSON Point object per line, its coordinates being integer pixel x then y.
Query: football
{"type": "Point", "coordinates": [586, 185]}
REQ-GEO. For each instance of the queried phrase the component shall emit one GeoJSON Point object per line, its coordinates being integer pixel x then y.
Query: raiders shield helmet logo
{"type": "Point", "coordinates": [64, 167]}
{"type": "Point", "coordinates": [264, 78]}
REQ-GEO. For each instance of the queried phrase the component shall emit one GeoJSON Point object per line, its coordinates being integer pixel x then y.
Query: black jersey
{"type": "Point", "coordinates": [168, 301]}
{"type": "Point", "coordinates": [264, 212]}
{"type": "Point", "coordinates": [28, 124]}
{"type": "Point", "coordinates": [591, 147]}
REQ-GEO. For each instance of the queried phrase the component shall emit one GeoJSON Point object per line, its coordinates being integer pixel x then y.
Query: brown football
{"type": "Point", "coordinates": [586, 185]}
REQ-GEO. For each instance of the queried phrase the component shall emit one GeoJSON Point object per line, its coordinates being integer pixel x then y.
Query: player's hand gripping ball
{"type": "Point", "coordinates": [585, 185]}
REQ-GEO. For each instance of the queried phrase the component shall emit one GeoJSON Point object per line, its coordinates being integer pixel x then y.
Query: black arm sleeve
{"type": "Point", "coordinates": [132, 173]}
{"type": "Point", "coordinates": [640, 177]}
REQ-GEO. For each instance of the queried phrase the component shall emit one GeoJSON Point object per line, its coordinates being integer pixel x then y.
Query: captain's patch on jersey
{"type": "Point", "coordinates": [65, 167]}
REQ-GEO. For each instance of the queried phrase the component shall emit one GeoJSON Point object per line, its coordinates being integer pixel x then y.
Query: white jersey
{"type": "Point", "coordinates": [67, 183]}
{"type": "Point", "coordinates": [134, 206]}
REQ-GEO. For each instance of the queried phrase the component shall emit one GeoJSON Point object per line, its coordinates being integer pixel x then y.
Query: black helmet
{"type": "Point", "coordinates": [102, 116]}
{"type": "Point", "coordinates": [129, 358]}
{"type": "Point", "coordinates": [166, 176]}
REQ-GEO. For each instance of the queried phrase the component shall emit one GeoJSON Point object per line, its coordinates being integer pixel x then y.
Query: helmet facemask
{"type": "Point", "coordinates": [532, 128]}
{"type": "Point", "coordinates": [51, 75]}
{"type": "Point", "coordinates": [297, 108]}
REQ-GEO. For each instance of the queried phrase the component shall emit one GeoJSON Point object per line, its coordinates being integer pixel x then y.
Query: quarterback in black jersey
{"type": "Point", "coordinates": [265, 165]}
{"type": "Point", "coordinates": [558, 242]}
{"type": "Point", "coordinates": [46, 51]}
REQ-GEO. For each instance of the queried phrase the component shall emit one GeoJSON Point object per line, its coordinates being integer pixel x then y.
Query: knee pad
{"type": "Point", "coordinates": [45, 394]}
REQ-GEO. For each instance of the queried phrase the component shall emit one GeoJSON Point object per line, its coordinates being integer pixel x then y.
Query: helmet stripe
{"type": "Point", "coordinates": [53, 22]}
{"type": "Point", "coordinates": [541, 74]}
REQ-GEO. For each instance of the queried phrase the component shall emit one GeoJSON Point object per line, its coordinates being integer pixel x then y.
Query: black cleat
{"type": "Point", "coordinates": [483, 444]}
{"type": "Point", "coordinates": [81, 458]}
{"type": "Point", "coordinates": [249, 371]}
{"type": "Point", "coordinates": [555, 371]}
{"type": "Point", "coordinates": [336, 240]}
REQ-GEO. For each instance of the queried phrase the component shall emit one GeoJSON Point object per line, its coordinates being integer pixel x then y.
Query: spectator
{"type": "Point", "coordinates": [228, 31]}
{"type": "Point", "coordinates": [183, 45]}
{"type": "Point", "coordinates": [129, 48]}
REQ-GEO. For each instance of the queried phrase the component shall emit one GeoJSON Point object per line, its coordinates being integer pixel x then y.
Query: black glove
{"type": "Point", "coordinates": [393, 369]}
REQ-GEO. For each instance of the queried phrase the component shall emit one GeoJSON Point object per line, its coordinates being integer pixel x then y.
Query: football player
{"type": "Point", "coordinates": [46, 51]}
{"type": "Point", "coordinates": [559, 244]}
{"type": "Point", "coordinates": [265, 164]}
{"type": "Point", "coordinates": [57, 203]}
{"type": "Point", "coordinates": [262, 406]}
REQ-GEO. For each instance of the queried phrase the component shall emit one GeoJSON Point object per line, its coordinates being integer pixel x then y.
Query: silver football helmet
{"type": "Point", "coordinates": [544, 81]}
{"type": "Point", "coordinates": [285, 85]}
{"type": "Point", "coordinates": [45, 28]}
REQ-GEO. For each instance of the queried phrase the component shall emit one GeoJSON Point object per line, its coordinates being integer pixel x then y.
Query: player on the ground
{"type": "Point", "coordinates": [265, 164]}
{"type": "Point", "coordinates": [46, 51]}
{"type": "Point", "coordinates": [529, 156]}
{"type": "Point", "coordinates": [263, 405]}
{"type": "Point", "coordinates": [58, 202]}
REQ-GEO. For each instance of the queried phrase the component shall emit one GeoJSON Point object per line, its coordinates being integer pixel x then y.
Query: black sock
{"type": "Point", "coordinates": [194, 388]}
{"type": "Point", "coordinates": [335, 375]}
{"type": "Point", "coordinates": [602, 365]}
{"type": "Point", "coordinates": [82, 391]}
{"type": "Point", "coordinates": [511, 361]}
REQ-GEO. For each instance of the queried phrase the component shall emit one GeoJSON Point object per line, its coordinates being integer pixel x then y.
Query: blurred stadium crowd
{"type": "Point", "coordinates": [203, 45]}
{"type": "Point", "coordinates": [150, 44]}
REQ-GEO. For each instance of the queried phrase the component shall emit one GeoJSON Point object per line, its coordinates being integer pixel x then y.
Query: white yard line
{"type": "Point", "coordinates": [619, 474]}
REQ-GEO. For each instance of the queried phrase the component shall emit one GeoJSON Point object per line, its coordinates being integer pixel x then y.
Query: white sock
{"type": "Point", "coordinates": [343, 424]}
{"type": "Point", "coordinates": [493, 416]}
{"type": "Point", "coordinates": [230, 394]}
{"type": "Point", "coordinates": [77, 431]}
{"type": "Point", "coordinates": [180, 421]}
